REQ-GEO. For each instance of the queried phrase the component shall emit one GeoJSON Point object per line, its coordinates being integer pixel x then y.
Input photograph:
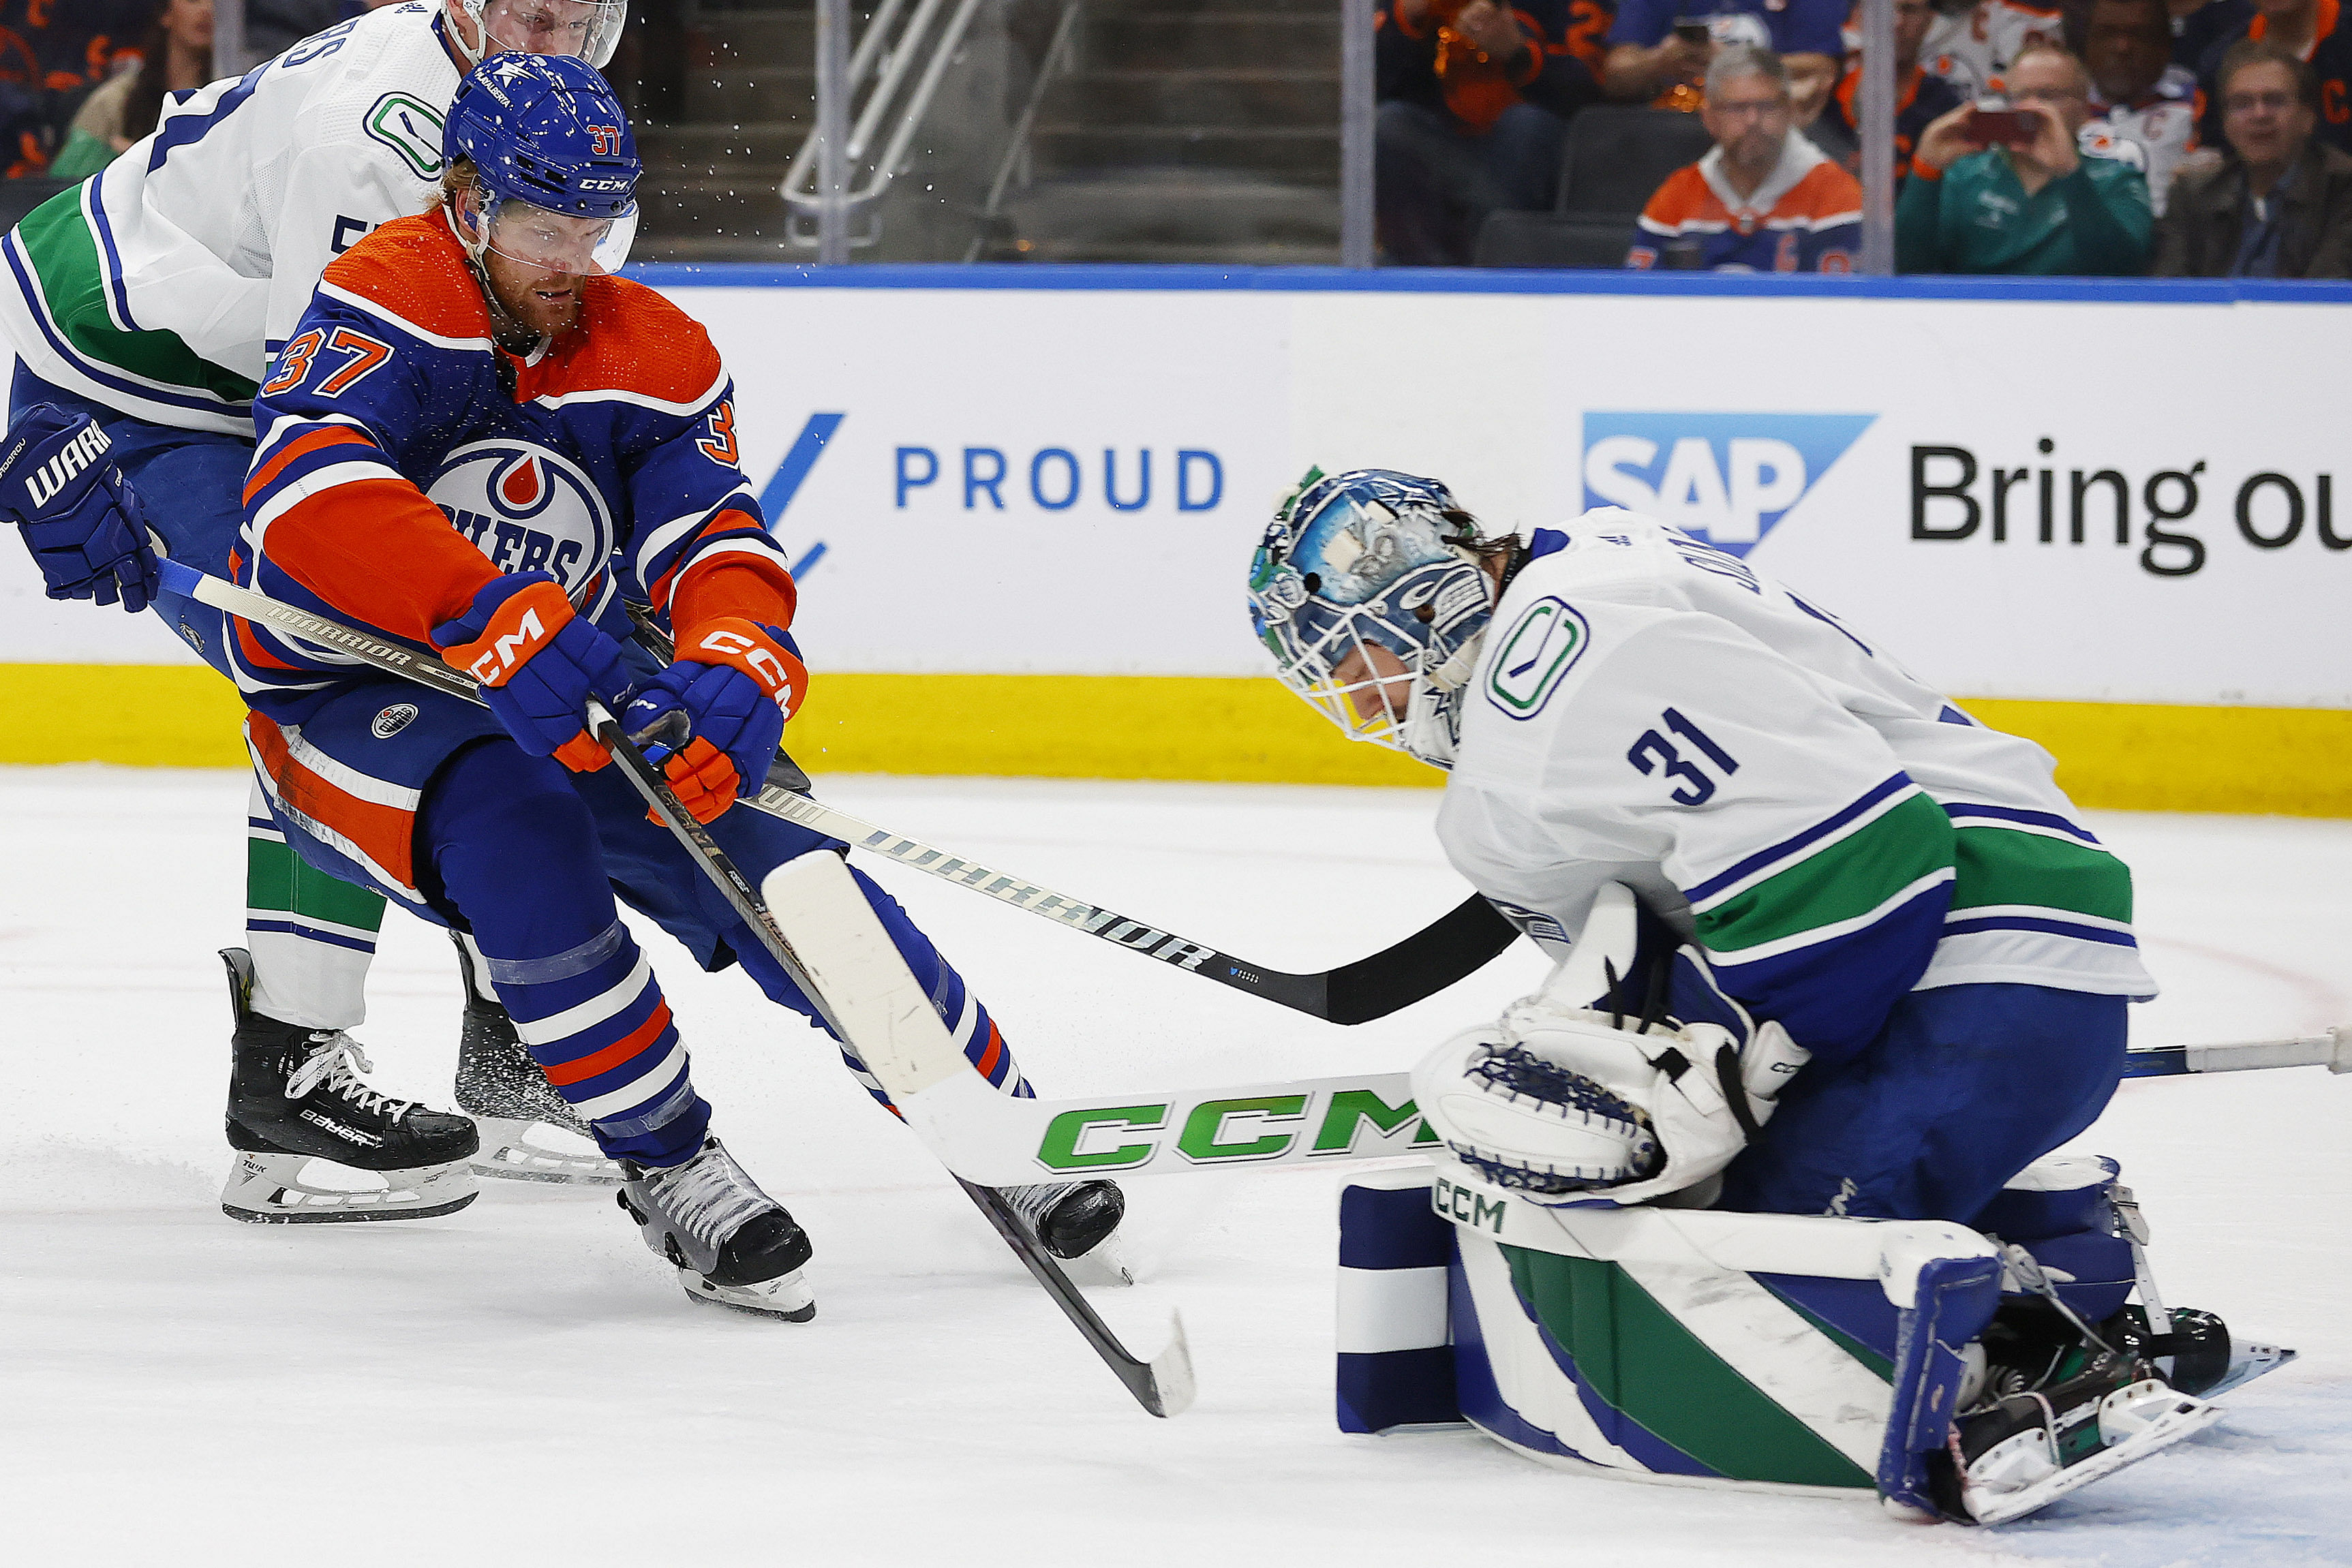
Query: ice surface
{"type": "Point", "coordinates": [522, 1381]}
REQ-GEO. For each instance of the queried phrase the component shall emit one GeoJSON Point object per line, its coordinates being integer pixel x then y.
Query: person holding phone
{"type": "Point", "coordinates": [1656, 46]}
{"type": "Point", "coordinates": [2001, 186]}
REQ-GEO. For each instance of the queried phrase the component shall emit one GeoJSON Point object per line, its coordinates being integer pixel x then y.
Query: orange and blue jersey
{"type": "Point", "coordinates": [404, 460]}
{"type": "Point", "coordinates": [1806, 216]}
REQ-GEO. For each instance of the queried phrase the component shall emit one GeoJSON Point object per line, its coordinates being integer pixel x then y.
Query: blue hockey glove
{"type": "Point", "coordinates": [736, 682]}
{"type": "Point", "coordinates": [537, 664]}
{"type": "Point", "coordinates": [82, 522]}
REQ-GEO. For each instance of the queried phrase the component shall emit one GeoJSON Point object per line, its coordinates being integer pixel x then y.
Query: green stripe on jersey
{"type": "Point", "coordinates": [2003, 865]}
{"type": "Point", "coordinates": [1634, 1358]}
{"type": "Point", "coordinates": [58, 240]}
{"type": "Point", "coordinates": [1845, 880]}
{"type": "Point", "coordinates": [276, 878]}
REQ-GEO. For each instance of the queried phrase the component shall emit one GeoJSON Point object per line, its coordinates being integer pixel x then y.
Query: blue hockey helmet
{"type": "Point", "coordinates": [554, 161]}
{"type": "Point", "coordinates": [1369, 591]}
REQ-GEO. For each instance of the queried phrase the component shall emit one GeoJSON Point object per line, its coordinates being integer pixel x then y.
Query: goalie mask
{"type": "Point", "coordinates": [1367, 590]}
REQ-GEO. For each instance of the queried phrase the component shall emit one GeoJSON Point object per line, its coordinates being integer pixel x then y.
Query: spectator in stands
{"type": "Point", "coordinates": [1764, 199]}
{"type": "Point", "coordinates": [2142, 105]}
{"type": "Point", "coordinates": [2313, 31]}
{"type": "Point", "coordinates": [1473, 107]}
{"type": "Point", "coordinates": [1973, 47]}
{"type": "Point", "coordinates": [1920, 99]}
{"type": "Point", "coordinates": [2199, 25]}
{"type": "Point", "coordinates": [1657, 48]}
{"type": "Point", "coordinates": [2280, 204]}
{"type": "Point", "coordinates": [2036, 206]}
{"type": "Point", "coordinates": [175, 56]}
{"type": "Point", "coordinates": [52, 52]}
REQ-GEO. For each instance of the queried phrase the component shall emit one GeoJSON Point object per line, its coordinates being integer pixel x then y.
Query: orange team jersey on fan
{"type": "Point", "coordinates": [1806, 216]}
{"type": "Point", "coordinates": [405, 460]}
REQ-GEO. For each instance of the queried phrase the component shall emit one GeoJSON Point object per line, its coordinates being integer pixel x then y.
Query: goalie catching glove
{"type": "Point", "coordinates": [736, 682]}
{"type": "Point", "coordinates": [1571, 1104]}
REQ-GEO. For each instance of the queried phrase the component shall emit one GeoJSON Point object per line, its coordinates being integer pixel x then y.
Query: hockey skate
{"type": "Point", "coordinates": [2054, 1409]}
{"type": "Point", "coordinates": [1076, 1221]}
{"type": "Point", "coordinates": [293, 1099]}
{"type": "Point", "coordinates": [731, 1243]}
{"type": "Point", "coordinates": [510, 1100]}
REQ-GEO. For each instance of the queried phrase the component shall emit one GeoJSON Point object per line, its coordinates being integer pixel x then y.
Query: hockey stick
{"type": "Point", "coordinates": [986, 1137]}
{"type": "Point", "coordinates": [1160, 1395]}
{"type": "Point", "coordinates": [1457, 944]}
{"type": "Point", "coordinates": [1163, 1385]}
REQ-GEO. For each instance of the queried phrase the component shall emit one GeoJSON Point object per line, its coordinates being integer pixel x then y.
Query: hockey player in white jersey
{"type": "Point", "coordinates": [142, 307]}
{"type": "Point", "coordinates": [1882, 964]}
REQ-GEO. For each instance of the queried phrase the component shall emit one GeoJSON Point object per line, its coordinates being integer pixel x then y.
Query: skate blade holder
{"type": "Point", "coordinates": [269, 1189]}
{"type": "Point", "coordinates": [2134, 1422]}
{"type": "Point", "coordinates": [516, 1150]}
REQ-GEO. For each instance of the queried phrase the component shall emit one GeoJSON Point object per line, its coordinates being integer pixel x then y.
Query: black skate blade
{"type": "Point", "coordinates": [346, 1217]}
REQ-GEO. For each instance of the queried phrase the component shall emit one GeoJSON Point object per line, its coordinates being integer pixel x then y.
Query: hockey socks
{"type": "Point", "coordinates": [312, 936]}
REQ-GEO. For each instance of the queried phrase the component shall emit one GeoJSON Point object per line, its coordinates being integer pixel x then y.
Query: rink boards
{"type": "Point", "coordinates": [1021, 499]}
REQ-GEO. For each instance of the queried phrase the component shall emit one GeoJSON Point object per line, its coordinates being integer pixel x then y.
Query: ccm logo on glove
{"type": "Point", "coordinates": [751, 653]}
{"type": "Point", "coordinates": [537, 664]}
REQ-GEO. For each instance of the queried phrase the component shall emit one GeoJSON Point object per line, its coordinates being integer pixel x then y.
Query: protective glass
{"type": "Point", "coordinates": [584, 29]}
{"type": "Point", "coordinates": [554, 242]}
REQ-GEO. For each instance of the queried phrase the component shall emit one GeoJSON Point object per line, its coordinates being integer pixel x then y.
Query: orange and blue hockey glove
{"type": "Point", "coordinates": [537, 664]}
{"type": "Point", "coordinates": [737, 681]}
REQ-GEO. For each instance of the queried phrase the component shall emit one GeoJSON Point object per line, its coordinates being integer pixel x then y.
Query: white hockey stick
{"type": "Point", "coordinates": [985, 1138]}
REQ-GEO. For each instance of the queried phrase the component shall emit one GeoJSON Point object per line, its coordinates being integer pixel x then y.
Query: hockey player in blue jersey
{"type": "Point", "coordinates": [1882, 966]}
{"type": "Point", "coordinates": [481, 349]}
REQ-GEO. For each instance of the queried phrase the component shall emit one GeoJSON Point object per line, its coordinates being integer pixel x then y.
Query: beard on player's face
{"type": "Point", "coordinates": [545, 301]}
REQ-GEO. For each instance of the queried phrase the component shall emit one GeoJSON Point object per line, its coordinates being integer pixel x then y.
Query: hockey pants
{"type": "Point", "coordinates": [529, 858]}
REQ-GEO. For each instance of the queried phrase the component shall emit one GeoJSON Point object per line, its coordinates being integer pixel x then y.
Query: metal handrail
{"type": "Point", "coordinates": [1018, 150]}
{"type": "Point", "coordinates": [886, 66]}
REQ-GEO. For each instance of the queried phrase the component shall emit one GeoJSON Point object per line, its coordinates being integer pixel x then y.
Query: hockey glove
{"type": "Point", "coordinates": [1574, 1106]}
{"type": "Point", "coordinates": [537, 665]}
{"type": "Point", "coordinates": [736, 682]}
{"type": "Point", "coordinates": [80, 519]}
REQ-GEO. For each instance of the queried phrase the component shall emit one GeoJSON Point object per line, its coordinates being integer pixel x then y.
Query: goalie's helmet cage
{"type": "Point", "coordinates": [554, 157]}
{"type": "Point", "coordinates": [589, 29]}
{"type": "Point", "coordinates": [1374, 560]}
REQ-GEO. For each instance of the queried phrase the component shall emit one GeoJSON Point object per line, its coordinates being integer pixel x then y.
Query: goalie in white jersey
{"type": "Point", "coordinates": [142, 307]}
{"type": "Point", "coordinates": [1882, 967]}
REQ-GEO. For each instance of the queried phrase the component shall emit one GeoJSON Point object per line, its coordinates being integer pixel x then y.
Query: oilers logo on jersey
{"type": "Point", "coordinates": [527, 508]}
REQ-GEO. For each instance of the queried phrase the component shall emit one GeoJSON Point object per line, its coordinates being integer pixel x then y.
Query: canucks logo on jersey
{"type": "Point", "coordinates": [527, 508]}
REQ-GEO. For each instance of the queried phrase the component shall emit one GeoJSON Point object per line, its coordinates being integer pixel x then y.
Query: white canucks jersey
{"type": "Point", "coordinates": [2154, 133]}
{"type": "Point", "coordinates": [162, 284]}
{"type": "Point", "coordinates": [1972, 48]}
{"type": "Point", "coordinates": [1650, 710]}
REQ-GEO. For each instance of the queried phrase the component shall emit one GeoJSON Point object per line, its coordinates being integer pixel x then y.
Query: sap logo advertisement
{"type": "Point", "coordinates": [1729, 479]}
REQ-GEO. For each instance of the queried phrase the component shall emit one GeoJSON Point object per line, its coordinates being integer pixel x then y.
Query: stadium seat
{"type": "Point", "coordinates": [1617, 155]}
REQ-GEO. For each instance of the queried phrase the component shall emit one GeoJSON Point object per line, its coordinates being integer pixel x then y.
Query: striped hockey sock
{"type": "Point", "coordinates": [594, 1019]}
{"type": "Point", "coordinates": [312, 937]}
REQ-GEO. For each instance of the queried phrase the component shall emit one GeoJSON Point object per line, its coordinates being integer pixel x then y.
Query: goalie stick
{"type": "Point", "coordinates": [1321, 1121]}
{"type": "Point", "coordinates": [1456, 944]}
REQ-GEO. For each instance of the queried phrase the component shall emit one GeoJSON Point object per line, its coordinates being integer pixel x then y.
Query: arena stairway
{"type": "Point", "coordinates": [1188, 130]}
